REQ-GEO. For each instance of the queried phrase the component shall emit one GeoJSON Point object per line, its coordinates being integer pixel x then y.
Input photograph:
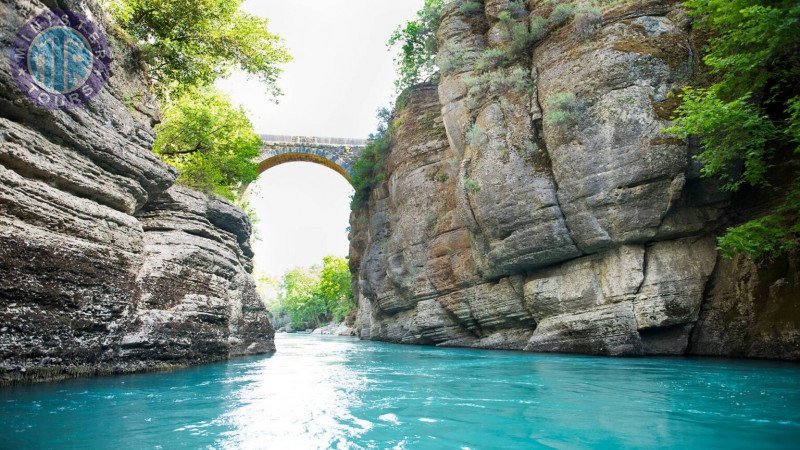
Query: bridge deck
{"type": "Point", "coordinates": [272, 140]}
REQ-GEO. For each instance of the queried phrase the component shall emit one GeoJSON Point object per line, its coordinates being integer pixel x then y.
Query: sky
{"type": "Point", "coordinates": [341, 74]}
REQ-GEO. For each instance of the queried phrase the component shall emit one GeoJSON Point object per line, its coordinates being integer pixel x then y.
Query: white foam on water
{"type": "Point", "coordinates": [389, 418]}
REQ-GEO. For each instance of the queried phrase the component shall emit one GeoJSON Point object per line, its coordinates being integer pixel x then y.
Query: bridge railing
{"type": "Point", "coordinates": [284, 139]}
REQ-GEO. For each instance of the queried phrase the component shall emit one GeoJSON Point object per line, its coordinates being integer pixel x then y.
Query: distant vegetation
{"type": "Point", "coordinates": [309, 298]}
{"type": "Point", "coordinates": [748, 118]}
{"type": "Point", "coordinates": [186, 45]}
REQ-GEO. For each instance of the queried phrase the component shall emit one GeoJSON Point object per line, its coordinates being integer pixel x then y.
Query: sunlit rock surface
{"type": "Point", "coordinates": [102, 268]}
{"type": "Point", "coordinates": [497, 227]}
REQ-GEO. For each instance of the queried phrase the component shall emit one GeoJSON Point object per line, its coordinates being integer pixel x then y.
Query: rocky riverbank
{"type": "Point", "coordinates": [104, 267]}
{"type": "Point", "coordinates": [336, 329]}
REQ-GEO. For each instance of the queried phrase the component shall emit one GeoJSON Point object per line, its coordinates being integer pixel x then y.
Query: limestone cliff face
{"type": "Point", "coordinates": [103, 267]}
{"type": "Point", "coordinates": [543, 208]}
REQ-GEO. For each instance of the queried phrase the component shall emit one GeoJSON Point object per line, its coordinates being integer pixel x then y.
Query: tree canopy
{"type": "Point", "coordinates": [186, 46]}
{"type": "Point", "coordinates": [748, 117]}
{"type": "Point", "coordinates": [209, 141]}
{"type": "Point", "coordinates": [416, 60]}
{"type": "Point", "coordinates": [334, 287]}
{"type": "Point", "coordinates": [188, 43]}
{"type": "Point", "coordinates": [314, 296]}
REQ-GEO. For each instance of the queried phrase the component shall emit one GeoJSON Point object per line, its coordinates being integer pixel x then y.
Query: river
{"type": "Point", "coordinates": [331, 392]}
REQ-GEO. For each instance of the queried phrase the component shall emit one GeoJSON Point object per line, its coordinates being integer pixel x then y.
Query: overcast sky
{"type": "Point", "coordinates": [341, 74]}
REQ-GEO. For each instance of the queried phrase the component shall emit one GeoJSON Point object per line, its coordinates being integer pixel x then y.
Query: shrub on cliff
{"type": "Point", "coordinates": [416, 60]}
{"type": "Point", "coordinates": [469, 7]}
{"type": "Point", "coordinates": [187, 43]}
{"type": "Point", "coordinates": [748, 119]}
{"type": "Point", "coordinates": [368, 168]}
{"type": "Point", "coordinates": [563, 108]}
{"type": "Point", "coordinates": [209, 141]}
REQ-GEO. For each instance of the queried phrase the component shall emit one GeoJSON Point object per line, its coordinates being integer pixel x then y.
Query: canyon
{"type": "Point", "coordinates": [535, 204]}
{"type": "Point", "coordinates": [538, 205]}
{"type": "Point", "coordinates": [105, 267]}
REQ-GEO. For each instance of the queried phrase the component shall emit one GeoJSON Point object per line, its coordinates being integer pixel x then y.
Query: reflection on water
{"type": "Point", "coordinates": [304, 402]}
{"type": "Point", "coordinates": [326, 392]}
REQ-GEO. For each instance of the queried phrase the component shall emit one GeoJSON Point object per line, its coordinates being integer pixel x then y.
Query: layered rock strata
{"type": "Point", "coordinates": [103, 267]}
{"type": "Point", "coordinates": [537, 204]}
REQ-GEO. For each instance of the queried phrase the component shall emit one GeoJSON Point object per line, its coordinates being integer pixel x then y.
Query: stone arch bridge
{"type": "Point", "coordinates": [338, 154]}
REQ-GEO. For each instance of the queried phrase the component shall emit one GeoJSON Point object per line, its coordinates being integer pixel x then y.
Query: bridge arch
{"type": "Point", "coordinates": [338, 154]}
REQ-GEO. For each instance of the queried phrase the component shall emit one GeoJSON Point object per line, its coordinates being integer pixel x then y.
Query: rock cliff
{"type": "Point", "coordinates": [103, 267]}
{"type": "Point", "coordinates": [536, 204]}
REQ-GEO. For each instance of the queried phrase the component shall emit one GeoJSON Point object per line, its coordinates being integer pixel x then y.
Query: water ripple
{"type": "Point", "coordinates": [324, 392]}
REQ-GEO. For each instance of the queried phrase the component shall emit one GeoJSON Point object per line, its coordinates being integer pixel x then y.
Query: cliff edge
{"type": "Point", "coordinates": [536, 204]}
{"type": "Point", "coordinates": [104, 267]}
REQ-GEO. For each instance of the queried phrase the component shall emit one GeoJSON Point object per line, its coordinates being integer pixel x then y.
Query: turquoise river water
{"type": "Point", "coordinates": [329, 392]}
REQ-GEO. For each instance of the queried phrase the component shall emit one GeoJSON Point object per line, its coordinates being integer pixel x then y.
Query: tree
{"type": "Point", "coordinates": [209, 141]}
{"type": "Point", "coordinates": [301, 298]}
{"type": "Point", "coordinates": [748, 119]}
{"type": "Point", "coordinates": [188, 43]}
{"type": "Point", "coordinates": [416, 60]}
{"type": "Point", "coordinates": [334, 287]}
{"type": "Point", "coordinates": [316, 295]}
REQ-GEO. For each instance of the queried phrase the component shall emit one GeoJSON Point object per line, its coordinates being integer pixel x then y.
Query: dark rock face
{"type": "Point", "coordinates": [499, 227]}
{"type": "Point", "coordinates": [104, 269]}
{"type": "Point", "coordinates": [197, 298]}
{"type": "Point", "coordinates": [751, 309]}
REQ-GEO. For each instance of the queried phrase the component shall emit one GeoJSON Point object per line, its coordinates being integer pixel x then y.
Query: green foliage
{"type": "Point", "coordinates": [586, 15]}
{"type": "Point", "coordinates": [476, 136]}
{"type": "Point", "coordinates": [470, 7]}
{"type": "Point", "coordinates": [335, 287]}
{"type": "Point", "coordinates": [755, 44]}
{"type": "Point", "coordinates": [312, 297]}
{"type": "Point", "coordinates": [730, 132]}
{"type": "Point", "coordinates": [562, 13]}
{"type": "Point", "coordinates": [451, 58]}
{"type": "Point", "coordinates": [472, 186]}
{"type": "Point", "coordinates": [518, 34]}
{"type": "Point", "coordinates": [416, 60]}
{"type": "Point", "coordinates": [793, 122]}
{"type": "Point", "coordinates": [243, 203]}
{"type": "Point", "coordinates": [772, 234]}
{"type": "Point", "coordinates": [563, 108]}
{"type": "Point", "coordinates": [749, 116]}
{"type": "Point", "coordinates": [209, 141]}
{"type": "Point", "coordinates": [587, 20]}
{"type": "Point", "coordinates": [368, 168]}
{"type": "Point", "coordinates": [300, 298]}
{"type": "Point", "coordinates": [521, 39]}
{"type": "Point", "coordinates": [539, 28]}
{"type": "Point", "coordinates": [490, 58]}
{"type": "Point", "coordinates": [497, 82]}
{"type": "Point", "coordinates": [188, 43]}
